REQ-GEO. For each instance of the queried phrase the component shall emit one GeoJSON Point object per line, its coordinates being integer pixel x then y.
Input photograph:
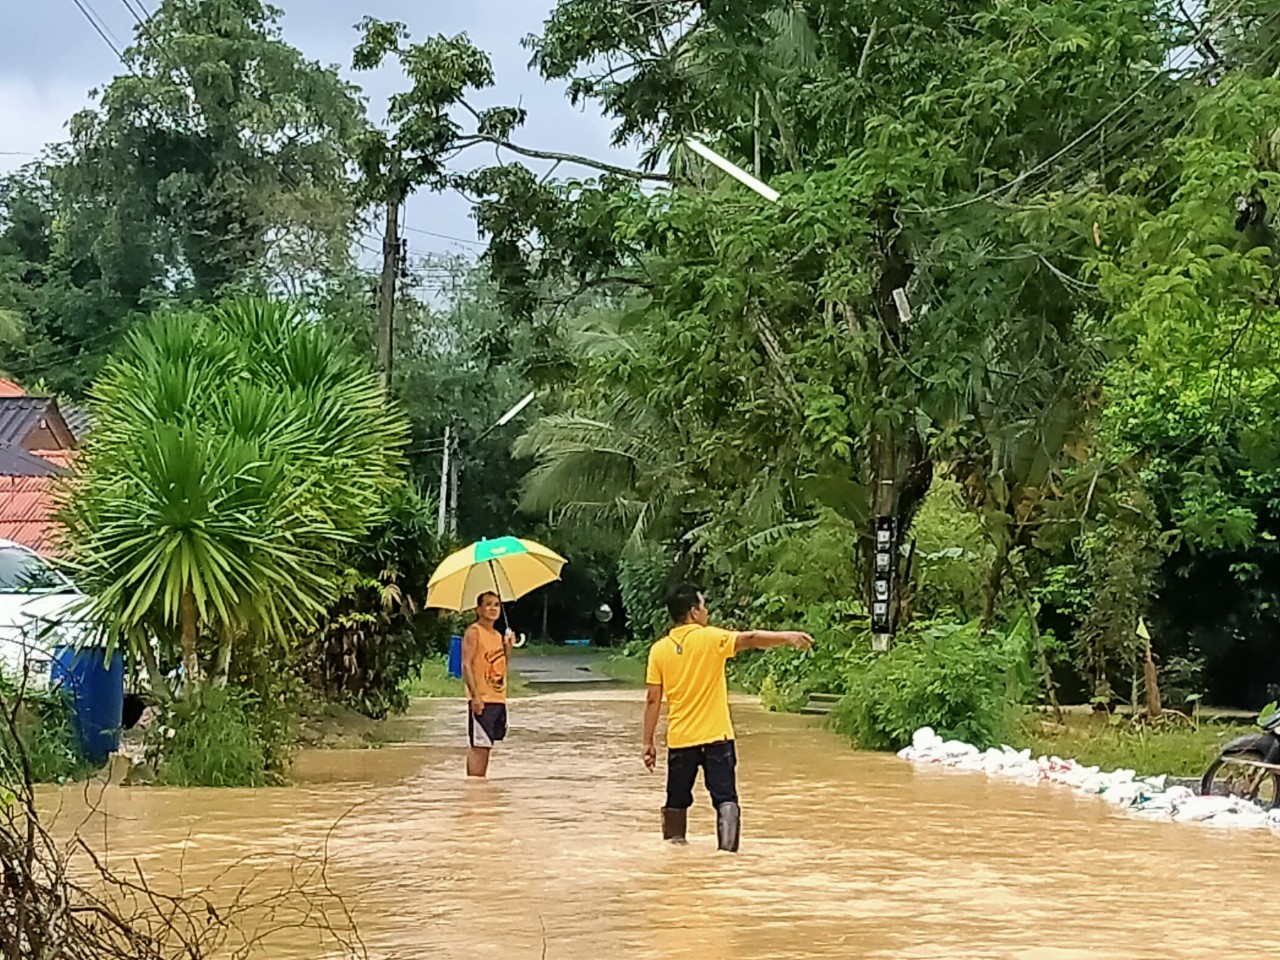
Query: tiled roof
{"type": "Point", "coordinates": [26, 508]}
{"type": "Point", "coordinates": [27, 477]}
{"type": "Point", "coordinates": [19, 416]}
{"type": "Point", "coordinates": [16, 462]}
{"type": "Point", "coordinates": [78, 420]}
{"type": "Point", "coordinates": [62, 459]}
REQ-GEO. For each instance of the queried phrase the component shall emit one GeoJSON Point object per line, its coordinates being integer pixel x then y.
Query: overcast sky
{"type": "Point", "coordinates": [50, 58]}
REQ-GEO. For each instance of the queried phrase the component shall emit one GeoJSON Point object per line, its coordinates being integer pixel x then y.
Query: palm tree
{"type": "Point", "coordinates": [237, 454]}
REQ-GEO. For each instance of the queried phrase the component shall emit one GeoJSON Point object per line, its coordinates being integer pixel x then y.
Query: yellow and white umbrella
{"type": "Point", "coordinates": [507, 566]}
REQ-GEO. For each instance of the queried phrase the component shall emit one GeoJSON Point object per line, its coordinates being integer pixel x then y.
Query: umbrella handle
{"type": "Point", "coordinates": [506, 625]}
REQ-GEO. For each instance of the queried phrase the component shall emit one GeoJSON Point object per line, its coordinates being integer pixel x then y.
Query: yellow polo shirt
{"type": "Point", "coordinates": [689, 663]}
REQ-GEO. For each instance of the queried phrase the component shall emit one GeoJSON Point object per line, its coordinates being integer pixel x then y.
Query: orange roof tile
{"type": "Point", "coordinates": [61, 458]}
{"type": "Point", "coordinates": [10, 389]}
{"type": "Point", "coordinates": [26, 512]}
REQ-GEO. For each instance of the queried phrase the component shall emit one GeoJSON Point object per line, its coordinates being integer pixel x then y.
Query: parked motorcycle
{"type": "Point", "coordinates": [1248, 767]}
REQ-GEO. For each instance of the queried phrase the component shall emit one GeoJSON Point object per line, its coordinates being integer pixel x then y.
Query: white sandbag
{"type": "Point", "coordinates": [1149, 798]}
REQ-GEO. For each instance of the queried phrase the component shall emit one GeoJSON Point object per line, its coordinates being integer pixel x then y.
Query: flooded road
{"type": "Point", "coordinates": [559, 854]}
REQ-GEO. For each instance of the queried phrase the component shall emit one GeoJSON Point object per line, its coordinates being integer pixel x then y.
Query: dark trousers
{"type": "Point", "coordinates": [718, 761]}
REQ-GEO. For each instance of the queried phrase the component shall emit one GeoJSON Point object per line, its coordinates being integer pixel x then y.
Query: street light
{"type": "Point", "coordinates": [733, 170]}
{"type": "Point", "coordinates": [448, 516]}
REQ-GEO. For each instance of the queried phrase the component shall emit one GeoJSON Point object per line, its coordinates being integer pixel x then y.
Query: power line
{"type": "Point", "coordinates": [100, 29]}
{"type": "Point", "coordinates": [138, 12]}
{"type": "Point", "coordinates": [445, 236]}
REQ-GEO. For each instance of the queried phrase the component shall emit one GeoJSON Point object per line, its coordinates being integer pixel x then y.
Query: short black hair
{"type": "Point", "coordinates": [487, 593]}
{"type": "Point", "coordinates": [682, 600]}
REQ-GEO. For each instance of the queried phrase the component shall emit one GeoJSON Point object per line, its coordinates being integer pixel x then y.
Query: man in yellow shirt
{"type": "Point", "coordinates": [688, 667]}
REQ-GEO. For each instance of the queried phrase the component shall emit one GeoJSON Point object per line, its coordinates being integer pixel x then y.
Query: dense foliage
{"type": "Point", "coordinates": [1019, 293]}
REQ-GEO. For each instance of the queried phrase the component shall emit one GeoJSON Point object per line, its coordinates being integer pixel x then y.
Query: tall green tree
{"type": "Point", "coordinates": [217, 159]}
{"type": "Point", "coordinates": [63, 315]}
{"type": "Point", "coordinates": [782, 357]}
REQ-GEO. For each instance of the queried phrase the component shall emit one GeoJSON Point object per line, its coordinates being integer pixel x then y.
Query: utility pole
{"type": "Point", "coordinates": [886, 547]}
{"type": "Point", "coordinates": [391, 254]}
{"type": "Point", "coordinates": [441, 519]}
{"type": "Point", "coordinates": [755, 126]}
{"type": "Point", "coordinates": [453, 489]}
{"type": "Point", "coordinates": [450, 466]}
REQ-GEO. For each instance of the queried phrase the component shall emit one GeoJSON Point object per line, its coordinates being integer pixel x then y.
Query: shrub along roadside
{"type": "Point", "coordinates": [213, 739]}
{"type": "Point", "coordinates": [44, 723]}
{"type": "Point", "coordinates": [946, 676]}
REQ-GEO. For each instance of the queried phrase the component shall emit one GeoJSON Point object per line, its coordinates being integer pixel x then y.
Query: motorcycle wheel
{"type": "Point", "coordinates": [1226, 779]}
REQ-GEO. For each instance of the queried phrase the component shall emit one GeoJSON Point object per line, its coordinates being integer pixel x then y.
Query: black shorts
{"type": "Point", "coordinates": [489, 727]}
{"type": "Point", "coordinates": [718, 762]}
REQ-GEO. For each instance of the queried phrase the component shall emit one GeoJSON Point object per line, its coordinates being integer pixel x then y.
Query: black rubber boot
{"type": "Point", "coordinates": [674, 824]}
{"type": "Point", "coordinates": [728, 826]}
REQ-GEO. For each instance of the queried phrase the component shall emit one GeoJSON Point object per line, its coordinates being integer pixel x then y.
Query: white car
{"type": "Point", "coordinates": [39, 611]}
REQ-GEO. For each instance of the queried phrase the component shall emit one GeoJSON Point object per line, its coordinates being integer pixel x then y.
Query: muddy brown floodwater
{"type": "Point", "coordinates": [558, 855]}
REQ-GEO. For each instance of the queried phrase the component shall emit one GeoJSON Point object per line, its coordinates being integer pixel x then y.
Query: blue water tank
{"type": "Point", "coordinates": [96, 687]}
{"type": "Point", "coordinates": [455, 657]}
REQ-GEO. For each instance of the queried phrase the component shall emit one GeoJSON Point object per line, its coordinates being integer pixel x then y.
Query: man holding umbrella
{"type": "Point", "coordinates": [484, 671]}
{"type": "Point", "coordinates": [487, 573]}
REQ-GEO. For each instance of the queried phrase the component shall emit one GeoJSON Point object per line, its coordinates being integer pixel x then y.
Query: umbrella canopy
{"type": "Point", "coordinates": [507, 566]}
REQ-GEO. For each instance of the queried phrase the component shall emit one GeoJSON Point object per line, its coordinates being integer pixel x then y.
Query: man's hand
{"type": "Point", "coordinates": [509, 639]}
{"type": "Point", "coordinates": [650, 756]}
{"type": "Point", "coordinates": [477, 706]}
{"type": "Point", "coordinates": [801, 641]}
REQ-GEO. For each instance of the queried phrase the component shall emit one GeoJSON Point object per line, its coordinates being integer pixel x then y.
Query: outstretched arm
{"type": "Point", "coordinates": [764, 639]}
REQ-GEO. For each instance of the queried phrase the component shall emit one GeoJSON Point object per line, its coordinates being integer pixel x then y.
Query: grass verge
{"type": "Point", "coordinates": [627, 670]}
{"type": "Point", "coordinates": [1180, 751]}
{"type": "Point", "coordinates": [433, 680]}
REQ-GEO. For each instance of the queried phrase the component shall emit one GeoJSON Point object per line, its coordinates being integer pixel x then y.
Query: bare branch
{"type": "Point", "coordinates": [479, 138]}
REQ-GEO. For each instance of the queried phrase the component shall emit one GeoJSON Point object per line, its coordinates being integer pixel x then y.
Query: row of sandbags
{"type": "Point", "coordinates": [1149, 797]}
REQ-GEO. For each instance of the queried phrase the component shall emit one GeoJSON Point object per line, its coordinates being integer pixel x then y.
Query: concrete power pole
{"type": "Point", "coordinates": [443, 515]}
{"type": "Point", "coordinates": [453, 488]}
{"type": "Point", "coordinates": [391, 253]}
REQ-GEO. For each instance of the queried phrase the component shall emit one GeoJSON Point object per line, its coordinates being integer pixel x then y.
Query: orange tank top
{"type": "Point", "coordinates": [489, 666]}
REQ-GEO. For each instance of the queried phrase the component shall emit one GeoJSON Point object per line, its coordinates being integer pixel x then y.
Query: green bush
{"type": "Point", "coordinates": [374, 640]}
{"type": "Point", "coordinates": [945, 676]}
{"type": "Point", "coordinates": [952, 556]}
{"type": "Point", "coordinates": [644, 576]}
{"type": "Point", "coordinates": [212, 740]}
{"type": "Point", "coordinates": [790, 677]}
{"type": "Point", "coordinates": [44, 724]}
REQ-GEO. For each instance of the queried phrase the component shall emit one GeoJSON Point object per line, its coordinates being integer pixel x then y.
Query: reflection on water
{"type": "Point", "coordinates": [558, 855]}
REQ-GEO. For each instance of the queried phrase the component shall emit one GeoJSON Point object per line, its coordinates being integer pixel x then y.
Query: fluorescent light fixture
{"type": "Point", "coordinates": [733, 170]}
{"type": "Point", "coordinates": [514, 411]}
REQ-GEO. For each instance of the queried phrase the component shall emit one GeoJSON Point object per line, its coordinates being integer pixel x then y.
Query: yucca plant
{"type": "Point", "coordinates": [237, 454]}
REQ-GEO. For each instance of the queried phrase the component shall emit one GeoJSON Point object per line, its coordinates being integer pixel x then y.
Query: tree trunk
{"type": "Point", "coordinates": [155, 680]}
{"type": "Point", "coordinates": [387, 291]}
{"type": "Point", "coordinates": [222, 663]}
{"type": "Point", "coordinates": [995, 579]}
{"type": "Point", "coordinates": [1042, 656]}
{"type": "Point", "coordinates": [1154, 707]}
{"type": "Point", "coordinates": [190, 660]}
